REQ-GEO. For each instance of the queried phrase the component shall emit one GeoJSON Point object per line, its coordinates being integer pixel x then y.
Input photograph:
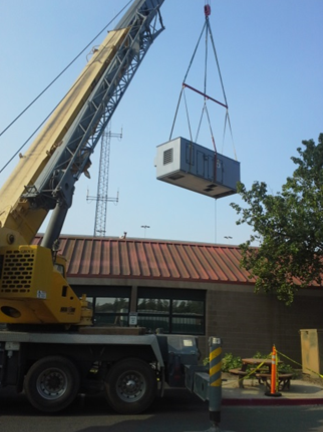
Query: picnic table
{"type": "Point", "coordinates": [261, 369]}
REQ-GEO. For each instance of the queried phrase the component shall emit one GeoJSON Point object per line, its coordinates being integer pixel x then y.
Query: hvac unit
{"type": "Point", "coordinates": [191, 166]}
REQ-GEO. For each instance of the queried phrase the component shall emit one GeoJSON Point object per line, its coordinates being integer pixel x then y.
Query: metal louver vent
{"type": "Point", "coordinates": [17, 271]}
{"type": "Point", "coordinates": [168, 156]}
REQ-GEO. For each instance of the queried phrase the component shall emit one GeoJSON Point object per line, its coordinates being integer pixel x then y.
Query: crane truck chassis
{"type": "Point", "coordinates": [131, 369]}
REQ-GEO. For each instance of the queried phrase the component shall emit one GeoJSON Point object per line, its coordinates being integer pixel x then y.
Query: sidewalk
{"type": "Point", "coordinates": [301, 392]}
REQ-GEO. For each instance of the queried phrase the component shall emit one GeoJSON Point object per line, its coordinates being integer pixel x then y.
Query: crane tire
{"type": "Point", "coordinates": [52, 383]}
{"type": "Point", "coordinates": [130, 386]}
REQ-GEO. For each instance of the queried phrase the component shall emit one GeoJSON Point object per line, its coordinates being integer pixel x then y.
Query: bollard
{"type": "Point", "coordinates": [214, 384]}
{"type": "Point", "coordinates": [273, 379]}
{"type": "Point", "coordinates": [215, 388]}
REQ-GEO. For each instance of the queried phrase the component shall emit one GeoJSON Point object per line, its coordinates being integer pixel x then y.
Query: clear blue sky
{"type": "Point", "coordinates": [270, 53]}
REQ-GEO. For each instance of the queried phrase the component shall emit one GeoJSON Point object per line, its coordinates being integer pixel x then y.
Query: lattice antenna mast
{"type": "Point", "coordinates": [102, 197]}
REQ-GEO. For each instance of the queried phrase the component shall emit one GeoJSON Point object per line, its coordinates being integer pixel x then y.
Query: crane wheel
{"type": "Point", "coordinates": [130, 386]}
{"type": "Point", "coordinates": [52, 383]}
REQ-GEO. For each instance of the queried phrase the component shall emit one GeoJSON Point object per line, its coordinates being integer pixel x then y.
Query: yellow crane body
{"type": "Point", "coordinates": [33, 292]}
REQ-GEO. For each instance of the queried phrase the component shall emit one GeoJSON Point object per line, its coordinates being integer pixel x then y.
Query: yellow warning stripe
{"type": "Point", "coordinates": [215, 353]}
{"type": "Point", "coordinates": [215, 369]}
{"type": "Point", "coordinates": [216, 383]}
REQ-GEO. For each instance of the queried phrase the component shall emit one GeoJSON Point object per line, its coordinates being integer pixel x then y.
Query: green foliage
{"type": "Point", "coordinates": [206, 361]}
{"type": "Point", "coordinates": [229, 361]}
{"type": "Point", "coordinates": [259, 355]}
{"type": "Point", "coordinates": [289, 227]}
{"type": "Point", "coordinates": [286, 368]}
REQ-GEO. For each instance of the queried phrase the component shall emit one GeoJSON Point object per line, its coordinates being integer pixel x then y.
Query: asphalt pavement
{"type": "Point", "coordinates": [299, 409]}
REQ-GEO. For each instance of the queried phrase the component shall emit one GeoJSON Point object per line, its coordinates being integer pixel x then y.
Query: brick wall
{"type": "Point", "coordinates": [249, 322]}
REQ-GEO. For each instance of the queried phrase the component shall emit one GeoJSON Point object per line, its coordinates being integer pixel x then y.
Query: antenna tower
{"type": "Point", "coordinates": [102, 197]}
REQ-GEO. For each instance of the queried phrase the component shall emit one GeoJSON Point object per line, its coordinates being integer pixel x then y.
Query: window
{"type": "Point", "coordinates": [111, 311]}
{"type": "Point", "coordinates": [89, 302]}
{"type": "Point", "coordinates": [157, 306]}
{"type": "Point", "coordinates": [110, 305]}
{"type": "Point", "coordinates": [188, 316]}
{"type": "Point", "coordinates": [173, 311]}
{"type": "Point", "coordinates": [154, 313]}
{"type": "Point", "coordinates": [60, 268]}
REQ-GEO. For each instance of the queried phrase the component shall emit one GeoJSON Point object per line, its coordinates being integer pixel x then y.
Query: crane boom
{"type": "Point", "coordinates": [33, 287]}
{"type": "Point", "coordinates": [45, 176]}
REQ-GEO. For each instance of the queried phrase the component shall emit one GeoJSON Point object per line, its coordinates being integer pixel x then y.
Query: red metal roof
{"type": "Point", "coordinates": [96, 257]}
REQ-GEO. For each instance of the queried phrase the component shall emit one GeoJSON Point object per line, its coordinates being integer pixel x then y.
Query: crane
{"type": "Point", "coordinates": [33, 287]}
{"type": "Point", "coordinates": [50, 364]}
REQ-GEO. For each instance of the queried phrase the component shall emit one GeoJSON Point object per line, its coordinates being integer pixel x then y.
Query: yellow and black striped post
{"type": "Point", "coordinates": [215, 383]}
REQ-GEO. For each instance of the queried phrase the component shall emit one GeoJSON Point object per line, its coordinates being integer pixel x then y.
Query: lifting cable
{"type": "Point", "coordinates": [48, 86]}
{"type": "Point", "coordinates": [208, 34]}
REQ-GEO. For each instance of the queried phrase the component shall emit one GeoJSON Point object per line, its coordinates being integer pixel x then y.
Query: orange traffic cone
{"type": "Point", "coordinates": [273, 379]}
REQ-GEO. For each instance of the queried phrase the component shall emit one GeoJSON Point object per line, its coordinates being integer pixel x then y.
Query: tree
{"type": "Point", "coordinates": [288, 225]}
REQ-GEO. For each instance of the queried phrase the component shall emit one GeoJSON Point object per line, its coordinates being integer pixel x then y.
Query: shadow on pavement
{"type": "Point", "coordinates": [178, 411]}
{"type": "Point", "coordinates": [242, 419]}
{"type": "Point", "coordinates": [96, 405]}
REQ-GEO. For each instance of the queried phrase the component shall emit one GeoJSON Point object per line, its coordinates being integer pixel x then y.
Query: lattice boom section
{"type": "Point", "coordinates": [17, 271]}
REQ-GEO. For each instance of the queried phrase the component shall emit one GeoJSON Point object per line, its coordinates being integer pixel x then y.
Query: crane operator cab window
{"type": "Point", "coordinates": [60, 269]}
{"type": "Point", "coordinates": [60, 266]}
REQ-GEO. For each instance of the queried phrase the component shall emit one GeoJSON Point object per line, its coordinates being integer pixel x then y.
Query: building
{"type": "Point", "coordinates": [187, 288]}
